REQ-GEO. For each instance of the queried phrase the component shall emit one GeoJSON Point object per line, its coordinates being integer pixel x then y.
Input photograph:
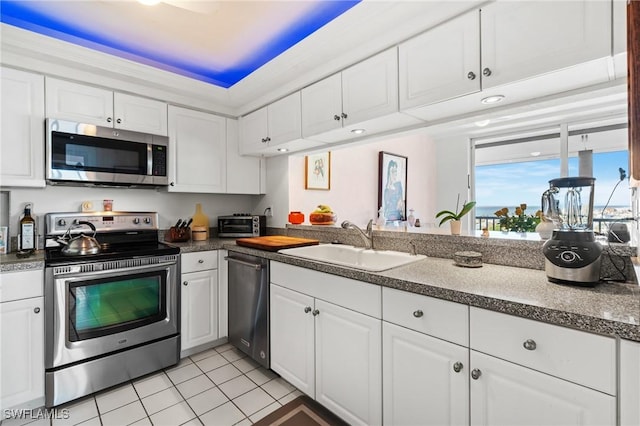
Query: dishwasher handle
{"type": "Point", "coordinates": [255, 266]}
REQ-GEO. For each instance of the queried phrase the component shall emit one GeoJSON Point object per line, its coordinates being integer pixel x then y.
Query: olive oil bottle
{"type": "Point", "coordinates": [27, 229]}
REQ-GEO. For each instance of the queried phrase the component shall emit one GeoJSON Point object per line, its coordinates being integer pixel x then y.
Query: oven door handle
{"type": "Point", "coordinates": [256, 266]}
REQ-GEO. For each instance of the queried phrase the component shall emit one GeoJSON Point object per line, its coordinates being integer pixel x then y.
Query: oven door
{"type": "Point", "coordinates": [90, 314]}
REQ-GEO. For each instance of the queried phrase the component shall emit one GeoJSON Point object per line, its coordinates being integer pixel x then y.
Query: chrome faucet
{"type": "Point", "coordinates": [368, 235]}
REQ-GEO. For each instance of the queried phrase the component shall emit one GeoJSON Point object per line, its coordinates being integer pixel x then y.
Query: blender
{"type": "Point", "coordinates": [572, 255]}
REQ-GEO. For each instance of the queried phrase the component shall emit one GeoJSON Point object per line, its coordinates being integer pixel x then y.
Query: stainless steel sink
{"type": "Point", "coordinates": [354, 257]}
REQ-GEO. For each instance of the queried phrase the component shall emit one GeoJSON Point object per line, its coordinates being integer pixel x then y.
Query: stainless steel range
{"type": "Point", "coordinates": [111, 312]}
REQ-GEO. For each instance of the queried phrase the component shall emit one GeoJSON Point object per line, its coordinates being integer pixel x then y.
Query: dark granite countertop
{"type": "Point", "coordinates": [608, 308]}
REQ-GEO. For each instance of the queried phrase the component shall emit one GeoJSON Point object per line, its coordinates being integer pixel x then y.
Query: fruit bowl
{"type": "Point", "coordinates": [322, 218]}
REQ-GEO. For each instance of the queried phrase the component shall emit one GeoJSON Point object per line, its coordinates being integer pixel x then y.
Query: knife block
{"type": "Point", "coordinates": [176, 235]}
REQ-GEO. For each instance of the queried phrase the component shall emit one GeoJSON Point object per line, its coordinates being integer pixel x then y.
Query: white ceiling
{"type": "Point", "coordinates": [218, 33]}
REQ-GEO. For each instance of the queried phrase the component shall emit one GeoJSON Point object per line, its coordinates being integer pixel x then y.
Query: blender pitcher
{"type": "Point", "coordinates": [576, 193]}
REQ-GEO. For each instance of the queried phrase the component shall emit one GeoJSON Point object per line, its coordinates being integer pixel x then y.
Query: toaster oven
{"type": "Point", "coordinates": [242, 225]}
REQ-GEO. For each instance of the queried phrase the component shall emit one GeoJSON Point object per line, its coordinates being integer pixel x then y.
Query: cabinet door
{"type": "Point", "coordinates": [523, 39]}
{"type": "Point", "coordinates": [322, 106]}
{"type": "Point", "coordinates": [442, 63]}
{"type": "Point", "coordinates": [199, 308]}
{"type": "Point", "coordinates": [421, 386]}
{"type": "Point", "coordinates": [22, 357]}
{"type": "Point", "coordinates": [349, 364]}
{"type": "Point", "coordinates": [244, 173]}
{"type": "Point", "coordinates": [285, 123]}
{"type": "Point", "coordinates": [370, 88]}
{"type": "Point", "coordinates": [77, 102]}
{"type": "Point", "coordinates": [197, 148]}
{"type": "Point", "coordinates": [629, 383]}
{"type": "Point", "coordinates": [508, 394]}
{"type": "Point", "coordinates": [292, 337]}
{"type": "Point", "coordinates": [254, 132]}
{"type": "Point", "coordinates": [140, 114]}
{"type": "Point", "coordinates": [22, 133]}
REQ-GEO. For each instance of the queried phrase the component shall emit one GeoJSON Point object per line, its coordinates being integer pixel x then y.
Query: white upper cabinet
{"type": "Point", "coordinates": [197, 151]}
{"type": "Point", "coordinates": [276, 126]}
{"type": "Point", "coordinates": [524, 39]}
{"type": "Point", "coordinates": [245, 175]}
{"type": "Point", "coordinates": [364, 96]}
{"type": "Point", "coordinates": [520, 50]}
{"type": "Point", "coordinates": [620, 38]}
{"type": "Point", "coordinates": [92, 105]}
{"type": "Point", "coordinates": [442, 63]}
{"type": "Point", "coordinates": [22, 129]}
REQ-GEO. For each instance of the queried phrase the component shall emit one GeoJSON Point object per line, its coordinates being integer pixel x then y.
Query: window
{"type": "Point", "coordinates": [511, 172]}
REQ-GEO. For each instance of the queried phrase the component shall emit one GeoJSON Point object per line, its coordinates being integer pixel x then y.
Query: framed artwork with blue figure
{"type": "Point", "coordinates": [392, 186]}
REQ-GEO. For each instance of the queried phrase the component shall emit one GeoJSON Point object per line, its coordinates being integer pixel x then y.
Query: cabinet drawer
{"type": "Point", "coordinates": [199, 261]}
{"type": "Point", "coordinates": [21, 285]}
{"type": "Point", "coordinates": [428, 315]}
{"type": "Point", "coordinates": [577, 356]}
{"type": "Point", "coordinates": [355, 295]}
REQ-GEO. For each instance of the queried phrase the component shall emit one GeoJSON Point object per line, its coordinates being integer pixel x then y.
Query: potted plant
{"type": "Point", "coordinates": [454, 217]}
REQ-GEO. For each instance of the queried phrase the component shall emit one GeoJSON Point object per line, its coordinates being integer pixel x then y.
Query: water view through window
{"type": "Point", "coordinates": [511, 184]}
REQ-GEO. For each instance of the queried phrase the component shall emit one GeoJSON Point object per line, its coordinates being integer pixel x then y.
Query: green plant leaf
{"type": "Point", "coordinates": [446, 219]}
{"type": "Point", "coordinates": [466, 208]}
{"type": "Point", "coordinates": [447, 212]}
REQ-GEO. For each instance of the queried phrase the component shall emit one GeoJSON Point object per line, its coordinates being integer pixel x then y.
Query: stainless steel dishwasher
{"type": "Point", "coordinates": [249, 305]}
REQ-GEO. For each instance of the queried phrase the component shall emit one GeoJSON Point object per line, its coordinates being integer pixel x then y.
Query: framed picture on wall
{"type": "Point", "coordinates": [392, 186]}
{"type": "Point", "coordinates": [317, 171]}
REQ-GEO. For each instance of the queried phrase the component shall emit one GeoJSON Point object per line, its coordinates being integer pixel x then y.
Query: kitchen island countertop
{"type": "Point", "coordinates": [608, 308]}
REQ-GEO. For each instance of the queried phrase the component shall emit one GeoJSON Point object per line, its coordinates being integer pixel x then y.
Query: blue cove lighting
{"type": "Point", "coordinates": [22, 15]}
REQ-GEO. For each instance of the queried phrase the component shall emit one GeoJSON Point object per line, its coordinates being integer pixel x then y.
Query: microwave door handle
{"type": "Point", "coordinates": [149, 159]}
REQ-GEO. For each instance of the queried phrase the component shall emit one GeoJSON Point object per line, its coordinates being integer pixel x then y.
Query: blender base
{"type": "Point", "coordinates": [586, 276]}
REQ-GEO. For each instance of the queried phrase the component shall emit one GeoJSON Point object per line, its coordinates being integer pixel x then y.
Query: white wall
{"type": "Point", "coordinates": [453, 156]}
{"type": "Point", "coordinates": [170, 206]}
{"type": "Point", "coordinates": [277, 188]}
{"type": "Point", "coordinates": [354, 179]}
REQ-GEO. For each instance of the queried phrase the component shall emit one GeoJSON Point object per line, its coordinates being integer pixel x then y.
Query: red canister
{"type": "Point", "coordinates": [296, 218]}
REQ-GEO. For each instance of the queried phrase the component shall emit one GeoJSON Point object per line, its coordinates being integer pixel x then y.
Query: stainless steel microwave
{"type": "Point", "coordinates": [242, 225]}
{"type": "Point", "coordinates": [87, 154]}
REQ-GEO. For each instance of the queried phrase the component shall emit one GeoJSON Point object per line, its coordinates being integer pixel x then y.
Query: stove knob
{"type": "Point", "coordinates": [147, 220]}
{"type": "Point", "coordinates": [62, 222]}
{"type": "Point", "coordinates": [136, 221]}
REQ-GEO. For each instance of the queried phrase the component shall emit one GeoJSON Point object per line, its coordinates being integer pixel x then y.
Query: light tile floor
{"type": "Point", "coordinates": [217, 387]}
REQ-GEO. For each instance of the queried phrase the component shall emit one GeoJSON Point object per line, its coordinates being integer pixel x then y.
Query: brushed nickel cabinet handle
{"type": "Point", "coordinates": [530, 345]}
{"type": "Point", "coordinates": [307, 309]}
{"type": "Point", "coordinates": [336, 117]}
{"type": "Point", "coordinates": [418, 313]}
{"type": "Point", "coordinates": [36, 310]}
{"type": "Point", "coordinates": [486, 72]}
{"type": "Point", "coordinates": [457, 367]}
{"type": "Point", "coordinates": [471, 75]}
{"type": "Point", "coordinates": [475, 374]}
{"type": "Point", "coordinates": [315, 312]}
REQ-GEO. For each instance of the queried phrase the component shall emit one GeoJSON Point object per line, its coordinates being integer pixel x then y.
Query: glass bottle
{"type": "Point", "coordinates": [200, 219]}
{"type": "Point", "coordinates": [411, 218]}
{"type": "Point", "coordinates": [27, 227]}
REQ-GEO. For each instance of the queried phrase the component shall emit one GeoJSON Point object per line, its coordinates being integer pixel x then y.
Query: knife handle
{"type": "Point", "coordinates": [178, 223]}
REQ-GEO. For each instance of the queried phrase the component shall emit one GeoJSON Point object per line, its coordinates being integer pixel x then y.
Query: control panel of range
{"type": "Point", "coordinates": [58, 223]}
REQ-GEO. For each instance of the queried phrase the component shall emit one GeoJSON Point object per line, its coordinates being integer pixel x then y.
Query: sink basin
{"type": "Point", "coordinates": [354, 257]}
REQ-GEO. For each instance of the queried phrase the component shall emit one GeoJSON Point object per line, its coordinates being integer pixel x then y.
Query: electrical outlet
{"type": "Point", "coordinates": [268, 211]}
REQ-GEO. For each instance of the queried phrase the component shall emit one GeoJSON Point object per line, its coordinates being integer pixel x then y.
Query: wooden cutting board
{"type": "Point", "coordinates": [275, 242]}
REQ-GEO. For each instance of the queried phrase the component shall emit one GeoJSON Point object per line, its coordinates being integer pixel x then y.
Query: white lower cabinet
{"type": "Point", "coordinates": [326, 348]}
{"type": "Point", "coordinates": [21, 340]}
{"type": "Point", "coordinates": [426, 380]}
{"type": "Point", "coordinates": [198, 300]}
{"type": "Point", "coordinates": [503, 393]}
{"type": "Point", "coordinates": [629, 383]}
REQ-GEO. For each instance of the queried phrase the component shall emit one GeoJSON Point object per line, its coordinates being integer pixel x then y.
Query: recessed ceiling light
{"type": "Point", "coordinates": [536, 153]}
{"type": "Point", "coordinates": [482, 123]}
{"type": "Point", "coordinates": [358, 131]}
{"type": "Point", "coordinates": [492, 99]}
{"type": "Point", "coordinates": [283, 149]}
{"type": "Point", "coordinates": [149, 2]}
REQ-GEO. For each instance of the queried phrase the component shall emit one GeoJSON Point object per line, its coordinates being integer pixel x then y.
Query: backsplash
{"type": "Point", "coordinates": [616, 263]}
